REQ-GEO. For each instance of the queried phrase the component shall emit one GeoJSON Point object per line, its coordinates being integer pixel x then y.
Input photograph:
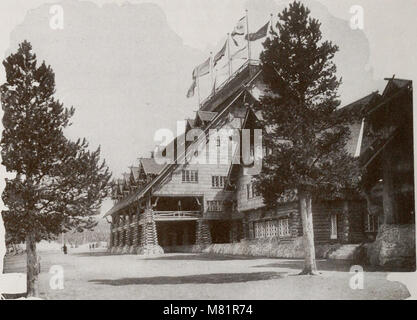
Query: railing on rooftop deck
{"type": "Point", "coordinates": [229, 79]}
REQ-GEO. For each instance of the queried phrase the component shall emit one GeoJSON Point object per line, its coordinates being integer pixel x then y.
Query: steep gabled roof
{"type": "Point", "coordinates": [135, 172]}
{"type": "Point", "coordinates": [166, 169]}
{"type": "Point", "coordinates": [150, 166]}
{"type": "Point", "coordinates": [191, 123]}
{"type": "Point", "coordinates": [363, 104]}
{"type": "Point", "coordinates": [394, 84]}
{"type": "Point", "coordinates": [206, 116]}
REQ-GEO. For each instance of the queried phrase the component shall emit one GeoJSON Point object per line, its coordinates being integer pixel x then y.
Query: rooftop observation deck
{"type": "Point", "coordinates": [225, 92]}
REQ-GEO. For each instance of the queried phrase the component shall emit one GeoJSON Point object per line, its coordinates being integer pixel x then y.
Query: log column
{"type": "Point", "coordinates": [203, 235]}
{"type": "Point", "coordinates": [122, 234]}
{"type": "Point", "coordinates": [135, 233]}
{"type": "Point", "coordinates": [245, 227]}
{"type": "Point", "coordinates": [111, 241]}
{"type": "Point", "coordinates": [149, 236]}
{"type": "Point", "coordinates": [128, 220]}
{"type": "Point", "coordinates": [116, 235]}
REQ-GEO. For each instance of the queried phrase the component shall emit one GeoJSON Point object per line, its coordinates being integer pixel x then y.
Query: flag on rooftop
{"type": "Point", "coordinates": [261, 33]}
{"type": "Point", "coordinates": [220, 54]}
{"type": "Point", "coordinates": [239, 32]}
{"type": "Point", "coordinates": [200, 70]}
{"type": "Point", "coordinates": [190, 92]}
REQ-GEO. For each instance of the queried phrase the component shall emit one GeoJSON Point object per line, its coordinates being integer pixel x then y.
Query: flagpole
{"type": "Point", "coordinates": [229, 59]}
{"type": "Point", "coordinates": [211, 66]}
{"type": "Point", "coordinates": [198, 88]}
{"type": "Point", "coordinates": [247, 34]}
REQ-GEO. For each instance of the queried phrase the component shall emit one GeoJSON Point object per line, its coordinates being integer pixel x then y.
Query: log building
{"type": "Point", "coordinates": [159, 208]}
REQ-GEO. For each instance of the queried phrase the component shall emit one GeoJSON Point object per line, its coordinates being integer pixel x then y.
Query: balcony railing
{"type": "Point", "coordinates": [176, 215]}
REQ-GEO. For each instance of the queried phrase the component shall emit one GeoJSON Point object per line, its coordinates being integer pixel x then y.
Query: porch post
{"type": "Point", "coordinates": [111, 241]}
{"type": "Point", "coordinates": [149, 234]}
{"type": "Point", "coordinates": [126, 248]}
{"type": "Point", "coordinates": [203, 235]}
{"type": "Point", "coordinates": [135, 241]}
{"type": "Point", "coordinates": [122, 236]}
{"type": "Point", "coordinates": [245, 230]}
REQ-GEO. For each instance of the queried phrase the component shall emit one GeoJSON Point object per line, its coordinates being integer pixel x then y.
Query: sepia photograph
{"type": "Point", "coordinates": [220, 152]}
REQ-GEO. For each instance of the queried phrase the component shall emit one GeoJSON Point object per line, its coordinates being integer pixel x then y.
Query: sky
{"type": "Point", "coordinates": [126, 65]}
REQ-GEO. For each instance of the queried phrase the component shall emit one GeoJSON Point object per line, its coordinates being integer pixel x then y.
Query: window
{"type": "Point", "coordinates": [215, 205]}
{"type": "Point", "coordinates": [372, 223]}
{"type": "Point", "coordinates": [283, 227]}
{"type": "Point", "coordinates": [251, 191]}
{"type": "Point", "coordinates": [265, 229]}
{"type": "Point", "coordinates": [333, 226]}
{"type": "Point", "coordinates": [218, 181]}
{"type": "Point", "coordinates": [190, 176]}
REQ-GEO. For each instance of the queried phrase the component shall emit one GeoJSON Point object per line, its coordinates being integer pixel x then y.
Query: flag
{"type": "Point", "coordinates": [239, 30]}
{"type": "Point", "coordinates": [198, 71]}
{"type": "Point", "coordinates": [261, 33]}
{"type": "Point", "coordinates": [202, 69]}
{"type": "Point", "coordinates": [219, 54]}
{"type": "Point", "coordinates": [190, 92]}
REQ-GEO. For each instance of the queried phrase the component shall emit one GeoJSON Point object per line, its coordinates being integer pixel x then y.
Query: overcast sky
{"type": "Point", "coordinates": [126, 66]}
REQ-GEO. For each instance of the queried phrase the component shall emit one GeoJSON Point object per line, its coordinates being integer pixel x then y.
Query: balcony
{"type": "Point", "coordinates": [176, 215]}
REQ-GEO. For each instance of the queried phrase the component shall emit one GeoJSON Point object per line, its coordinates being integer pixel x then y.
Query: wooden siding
{"type": "Point", "coordinates": [243, 203]}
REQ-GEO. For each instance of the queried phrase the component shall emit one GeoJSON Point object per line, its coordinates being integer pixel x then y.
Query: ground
{"type": "Point", "coordinates": [97, 275]}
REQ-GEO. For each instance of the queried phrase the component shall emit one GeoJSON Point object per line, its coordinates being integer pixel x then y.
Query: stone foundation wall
{"type": "Point", "coordinates": [271, 247]}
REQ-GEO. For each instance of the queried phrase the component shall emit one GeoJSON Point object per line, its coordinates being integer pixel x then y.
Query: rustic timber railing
{"type": "Point", "coordinates": [176, 215]}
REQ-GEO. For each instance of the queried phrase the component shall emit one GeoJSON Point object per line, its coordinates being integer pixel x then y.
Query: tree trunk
{"type": "Point", "coordinates": [32, 265]}
{"type": "Point", "coordinates": [308, 233]}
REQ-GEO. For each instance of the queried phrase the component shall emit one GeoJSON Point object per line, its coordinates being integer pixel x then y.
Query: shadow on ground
{"type": "Point", "coordinates": [331, 265]}
{"type": "Point", "coordinates": [91, 254]}
{"type": "Point", "coordinates": [213, 278]}
{"type": "Point", "coordinates": [202, 257]}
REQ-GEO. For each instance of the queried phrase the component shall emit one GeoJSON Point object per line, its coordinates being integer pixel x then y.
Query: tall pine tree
{"type": "Point", "coordinates": [304, 128]}
{"type": "Point", "coordinates": [59, 183]}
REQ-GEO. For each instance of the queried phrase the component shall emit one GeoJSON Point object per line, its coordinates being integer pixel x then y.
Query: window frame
{"type": "Point", "coordinates": [189, 176]}
{"type": "Point", "coordinates": [218, 182]}
{"type": "Point", "coordinates": [333, 226]}
{"type": "Point", "coordinates": [219, 207]}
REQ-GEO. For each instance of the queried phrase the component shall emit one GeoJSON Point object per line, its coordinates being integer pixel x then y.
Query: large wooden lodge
{"type": "Point", "coordinates": [160, 208]}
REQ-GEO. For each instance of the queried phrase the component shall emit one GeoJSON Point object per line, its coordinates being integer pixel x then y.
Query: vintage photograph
{"type": "Point", "coordinates": [207, 150]}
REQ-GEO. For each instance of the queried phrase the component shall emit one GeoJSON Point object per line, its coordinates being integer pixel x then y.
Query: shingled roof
{"type": "Point", "coordinates": [191, 123]}
{"type": "Point", "coordinates": [363, 104]}
{"type": "Point", "coordinates": [206, 116]}
{"type": "Point", "coordinates": [150, 166]}
{"type": "Point", "coordinates": [135, 172]}
{"type": "Point", "coordinates": [163, 170]}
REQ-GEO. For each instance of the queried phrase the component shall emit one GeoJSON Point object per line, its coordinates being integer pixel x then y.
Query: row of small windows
{"type": "Point", "coordinates": [190, 176]}
{"type": "Point", "coordinates": [215, 205]}
{"type": "Point", "coordinates": [372, 223]}
{"type": "Point", "coordinates": [252, 191]}
{"type": "Point", "coordinates": [218, 181]}
{"type": "Point", "coordinates": [270, 228]}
